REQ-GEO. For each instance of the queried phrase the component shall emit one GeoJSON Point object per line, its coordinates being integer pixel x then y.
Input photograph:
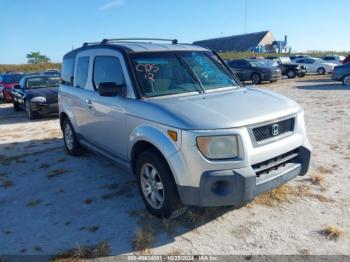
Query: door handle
{"type": "Point", "coordinates": [89, 103]}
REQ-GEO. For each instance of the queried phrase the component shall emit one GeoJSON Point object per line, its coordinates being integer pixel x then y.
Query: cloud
{"type": "Point", "coordinates": [111, 4]}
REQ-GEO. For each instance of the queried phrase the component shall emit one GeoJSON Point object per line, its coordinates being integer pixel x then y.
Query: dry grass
{"type": "Point", "coordinates": [143, 239]}
{"type": "Point", "coordinates": [7, 183]}
{"type": "Point", "coordinates": [286, 193]}
{"type": "Point", "coordinates": [33, 202]}
{"type": "Point", "coordinates": [318, 179]}
{"type": "Point", "coordinates": [324, 170]}
{"type": "Point", "coordinates": [333, 232]}
{"type": "Point", "coordinates": [102, 249]}
{"type": "Point", "coordinates": [93, 229]}
{"type": "Point", "coordinates": [88, 201]}
{"type": "Point", "coordinates": [173, 252]}
{"type": "Point", "coordinates": [44, 166]}
{"type": "Point", "coordinates": [56, 172]}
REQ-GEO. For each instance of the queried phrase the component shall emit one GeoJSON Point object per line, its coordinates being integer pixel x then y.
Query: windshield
{"type": "Point", "coordinates": [182, 72]}
{"type": "Point", "coordinates": [42, 82]}
{"type": "Point", "coordinates": [8, 79]}
{"type": "Point", "coordinates": [256, 63]}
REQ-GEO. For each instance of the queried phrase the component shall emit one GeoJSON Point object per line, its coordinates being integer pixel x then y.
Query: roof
{"type": "Point", "coordinates": [233, 43]}
{"type": "Point", "coordinates": [134, 47]}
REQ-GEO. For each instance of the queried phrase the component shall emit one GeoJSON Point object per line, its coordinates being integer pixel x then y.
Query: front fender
{"type": "Point", "coordinates": [157, 136]}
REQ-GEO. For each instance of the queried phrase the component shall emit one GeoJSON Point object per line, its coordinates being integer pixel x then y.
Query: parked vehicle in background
{"type": "Point", "coordinates": [37, 95]}
{"type": "Point", "coordinates": [335, 59]}
{"type": "Point", "coordinates": [176, 117]}
{"type": "Point", "coordinates": [342, 74]}
{"type": "Point", "coordinates": [7, 83]}
{"type": "Point", "coordinates": [296, 57]}
{"type": "Point", "coordinates": [254, 70]}
{"type": "Point", "coordinates": [290, 69]}
{"type": "Point", "coordinates": [52, 72]}
{"type": "Point", "coordinates": [316, 65]}
{"type": "Point", "coordinates": [346, 60]}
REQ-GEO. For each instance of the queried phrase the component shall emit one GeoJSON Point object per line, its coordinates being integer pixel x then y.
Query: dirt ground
{"type": "Point", "coordinates": [52, 202]}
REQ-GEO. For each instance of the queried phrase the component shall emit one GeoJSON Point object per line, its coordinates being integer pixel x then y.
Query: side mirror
{"type": "Point", "coordinates": [18, 87]}
{"type": "Point", "coordinates": [111, 89]}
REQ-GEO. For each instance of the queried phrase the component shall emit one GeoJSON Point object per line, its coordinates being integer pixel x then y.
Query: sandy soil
{"type": "Point", "coordinates": [51, 202]}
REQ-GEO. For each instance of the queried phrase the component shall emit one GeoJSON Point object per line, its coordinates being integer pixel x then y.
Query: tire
{"type": "Point", "coordinates": [291, 74]}
{"type": "Point", "coordinates": [256, 79]}
{"type": "Point", "coordinates": [321, 71]}
{"type": "Point", "coordinates": [71, 142]}
{"type": "Point", "coordinates": [30, 114]}
{"type": "Point", "coordinates": [346, 80]}
{"type": "Point", "coordinates": [162, 201]}
{"type": "Point", "coordinates": [16, 107]}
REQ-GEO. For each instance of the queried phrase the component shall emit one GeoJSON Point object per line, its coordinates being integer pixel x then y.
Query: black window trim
{"type": "Point", "coordinates": [75, 69]}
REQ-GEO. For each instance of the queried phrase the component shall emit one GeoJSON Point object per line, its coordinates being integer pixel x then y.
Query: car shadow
{"type": "Point", "coordinates": [9, 116]}
{"type": "Point", "coordinates": [325, 87]}
{"type": "Point", "coordinates": [322, 80]}
{"type": "Point", "coordinates": [51, 202]}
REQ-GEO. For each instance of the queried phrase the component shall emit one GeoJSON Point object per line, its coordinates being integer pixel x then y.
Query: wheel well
{"type": "Point", "coordinates": [140, 147]}
{"type": "Point", "coordinates": [62, 118]}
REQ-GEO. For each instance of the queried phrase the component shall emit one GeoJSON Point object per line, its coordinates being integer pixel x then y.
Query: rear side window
{"type": "Point", "coordinates": [82, 71]}
{"type": "Point", "coordinates": [68, 71]}
{"type": "Point", "coordinates": [107, 69]}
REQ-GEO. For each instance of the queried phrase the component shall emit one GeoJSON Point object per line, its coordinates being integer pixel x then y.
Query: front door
{"type": "Point", "coordinates": [106, 127]}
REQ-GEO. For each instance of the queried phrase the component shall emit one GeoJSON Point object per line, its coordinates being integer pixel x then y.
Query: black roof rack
{"type": "Point", "coordinates": [116, 40]}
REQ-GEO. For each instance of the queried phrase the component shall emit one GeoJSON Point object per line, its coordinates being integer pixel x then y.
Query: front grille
{"type": "Point", "coordinates": [273, 130]}
{"type": "Point", "coordinates": [275, 163]}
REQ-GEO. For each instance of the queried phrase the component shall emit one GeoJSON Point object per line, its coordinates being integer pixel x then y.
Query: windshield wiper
{"type": "Point", "coordinates": [193, 74]}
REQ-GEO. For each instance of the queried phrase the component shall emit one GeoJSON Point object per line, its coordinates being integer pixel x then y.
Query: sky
{"type": "Point", "coordinates": [54, 27]}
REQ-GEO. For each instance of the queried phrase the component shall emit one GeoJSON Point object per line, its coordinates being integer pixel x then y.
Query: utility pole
{"type": "Point", "coordinates": [245, 16]}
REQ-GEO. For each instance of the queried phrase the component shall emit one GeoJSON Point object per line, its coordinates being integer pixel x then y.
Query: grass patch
{"type": "Point", "coordinates": [111, 186]}
{"type": "Point", "coordinates": [143, 239]}
{"type": "Point", "coordinates": [333, 232]}
{"type": "Point", "coordinates": [44, 166]}
{"type": "Point", "coordinates": [57, 172]}
{"type": "Point", "coordinates": [324, 170]}
{"type": "Point", "coordinates": [88, 201]}
{"type": "Point", "coordinates": [33, 202]}
{"type": "Point", "coordinates": [318, 179]}
{"type": "Point", "coordinates": [102, 249]}
{"type": "Point", "coordinates": [286, 193]}
{"type": "Point", "coordinates": [7, 183]}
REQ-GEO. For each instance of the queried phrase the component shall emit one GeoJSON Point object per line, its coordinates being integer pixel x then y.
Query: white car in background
{"type": "Point", "coordinates": [335, 59]}
{"type": "Point", "coordinates": [316, 65]}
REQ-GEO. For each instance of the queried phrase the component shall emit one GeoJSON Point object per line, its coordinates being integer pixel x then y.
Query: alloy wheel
{"type": "Point", "coordinates": [347, 80]}
{"type": "Point", "coordinates": [68, 136]}
{"type": "Point", "coordinates": [152, 186]}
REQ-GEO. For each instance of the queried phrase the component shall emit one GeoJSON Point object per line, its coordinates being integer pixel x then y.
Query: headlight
{"type": "Point", "coordinates": [38, 99]}
{"type": "Point", "coordinates": [218, 147]}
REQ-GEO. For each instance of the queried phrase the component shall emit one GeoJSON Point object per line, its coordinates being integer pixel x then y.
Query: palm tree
{"type": "Point", "coordinates": [37, 58]}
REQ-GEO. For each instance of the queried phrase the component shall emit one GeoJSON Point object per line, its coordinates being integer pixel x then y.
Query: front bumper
{"type": "Point", "coordinates": [240, 186]}
{"type": "Point", "coordinates": [44, 108]}
{"type": "Point", "coordinates": [337, 77]}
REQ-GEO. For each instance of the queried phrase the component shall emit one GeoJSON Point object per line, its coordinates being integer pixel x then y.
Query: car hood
{"type": "Point", "coordinates": [49, 92]}
{"type": "Point", "coordinates": [240, 107]}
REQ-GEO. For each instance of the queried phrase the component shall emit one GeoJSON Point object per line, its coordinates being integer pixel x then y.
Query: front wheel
{"type": "Point", "coordinates": [16, 107]}
{"type": "Point", "coordinates": [70, 139]}
{"type": "Point", "coordinates": [346, 80]}
{"type": "Point", "coordinates": [291, 74]}
{"type": "Point", "coordinates": [321, 71]}
{"type": "Point", "coordinates": [157, 185]}
{"type": "Point", "coordinates": [256, 79]}
{"type": "Point", "coordinates": [30, 114]}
